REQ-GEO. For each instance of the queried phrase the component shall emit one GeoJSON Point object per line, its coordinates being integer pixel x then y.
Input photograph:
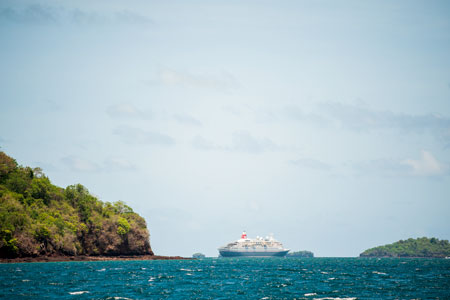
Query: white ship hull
{"type": "Point", "coordinates": [252, 253]}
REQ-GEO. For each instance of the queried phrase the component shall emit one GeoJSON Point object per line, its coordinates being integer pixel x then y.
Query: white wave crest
{"type": "Point", "coordinates": [78, 292]}
{"type": "Point", "coordinates": [331, 298]}
{"type": "Point", "coordinates": [379, 273]}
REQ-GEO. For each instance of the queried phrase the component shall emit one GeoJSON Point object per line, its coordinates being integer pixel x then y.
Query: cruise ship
{"type": "Point", "coordinates": [259, 247]}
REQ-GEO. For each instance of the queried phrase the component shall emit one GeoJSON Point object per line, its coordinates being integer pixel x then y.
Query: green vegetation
{"type": "Point", "coordinates": [421, 247]}
{"type": "Point", "coordinates": [39, 218]}
{"type": "Point", "coordinates": [303, 253]}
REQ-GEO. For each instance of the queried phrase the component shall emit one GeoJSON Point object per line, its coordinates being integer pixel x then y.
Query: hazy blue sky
{"type": "Point", "coordinates": [326, 123]}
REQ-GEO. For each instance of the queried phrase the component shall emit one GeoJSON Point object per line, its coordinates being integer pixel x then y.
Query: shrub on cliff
{"type": "Point", "coordinates": [39, 218]}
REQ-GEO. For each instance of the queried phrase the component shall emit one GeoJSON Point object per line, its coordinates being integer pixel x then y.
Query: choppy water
{"type": "Point", "coordinates": [260, 278]}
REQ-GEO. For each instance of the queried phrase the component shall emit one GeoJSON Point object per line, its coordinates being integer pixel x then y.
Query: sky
{"type": "Point", "coordinates": [326, 123]}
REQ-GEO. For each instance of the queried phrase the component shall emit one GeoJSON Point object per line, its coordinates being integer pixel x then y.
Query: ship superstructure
{"type": "Point", "coordinates": [259, 246]}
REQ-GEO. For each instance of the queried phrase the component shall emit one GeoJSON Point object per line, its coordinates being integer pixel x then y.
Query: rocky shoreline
{"type": "Point", "coordinates": [88, 258]}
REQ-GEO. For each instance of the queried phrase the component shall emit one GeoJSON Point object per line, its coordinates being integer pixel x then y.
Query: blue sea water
{"type": "Point", "coordinates": [245, 278]}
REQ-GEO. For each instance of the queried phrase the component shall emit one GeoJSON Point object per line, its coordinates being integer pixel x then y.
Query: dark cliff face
{"type": "Point", "coordinates": [38, 218]}
{"type": "Point", "coordinates": [106, 241]}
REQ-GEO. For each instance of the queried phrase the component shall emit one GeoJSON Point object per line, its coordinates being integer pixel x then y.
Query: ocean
{"type": "Point", "coordinates": [230, 278]}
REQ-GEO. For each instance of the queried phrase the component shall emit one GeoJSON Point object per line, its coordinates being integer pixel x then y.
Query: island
{"type": "Point", "coordinates": [420, 247]}
{"type": "Point", "coordinates": [302, 253]}
{"type": "Point", "coordinates": [40, 221]}
{"type": "Point", "coordinates": [198, 255]}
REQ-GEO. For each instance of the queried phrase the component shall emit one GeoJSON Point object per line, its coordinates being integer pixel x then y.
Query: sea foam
{"type": "Point", "coordinates": [78, 292]}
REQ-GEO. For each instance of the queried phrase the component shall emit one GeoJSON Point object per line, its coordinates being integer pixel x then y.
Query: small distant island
{"type": "Point", "coordinates": [43, 222]}
{"type": "Point", "coordinates": [420, 247]}
{"type": "Point", "coordinates": [198, 255]}
{"type": "Point", "coordinates": [303, 253]}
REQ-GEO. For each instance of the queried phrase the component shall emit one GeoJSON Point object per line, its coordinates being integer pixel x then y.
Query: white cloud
{"type": "Point", "coordinates": [79, 164]}
{"type": "Point", "coordinates": [187, 119]}
{"type": "Point", "coordinates": [119, 164]}
{"type": "Point", "coordinates": [245, 142]}
{"type": "Point", "coordinates": [362, 118]}
{"type": "Point", "coordinates": [131, 135]}
{"type": "Point", "coordinates": [231, 109]}
{"type": "Point", "coordinates": [242, 141]}
{"type": "Point", "coordinates": [130, 17]}
{"type": "Point", "coordinates": [34, 15]}
{"type": "Point", "coordinates": [203, 144]}
{"type": "Point", "coordinates": [311, 164]}
{"type": "Point", "coordinates": [37, 14]}
{"type": "Point", "coordinates": [125, 17]}
{"type": "Point", "coordinates": [385, 167]}
{"type": "Point", "coordinates": [127, 110]}
{"type": "Point", "coordinates": [222, 81]}
{"type": "Point", "coordinates": [76, 163]}
{"type": "Point", "coordinates": [427, 165]}
{"type": "Point", "coordinates": [294, 112]}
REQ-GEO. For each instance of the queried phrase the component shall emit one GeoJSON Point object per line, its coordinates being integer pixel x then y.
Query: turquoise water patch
{"type": "Point", "coordinates": [245, 278]}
